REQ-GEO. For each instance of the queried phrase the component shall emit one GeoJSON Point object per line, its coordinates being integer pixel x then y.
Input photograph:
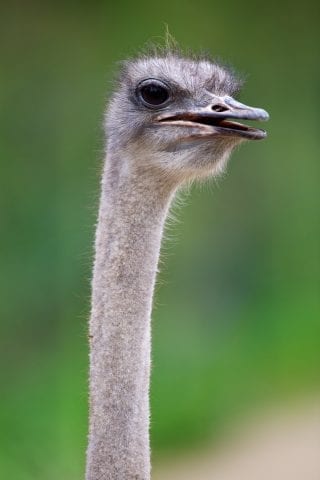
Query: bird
{"type": "Point", "coordinates": [172, 118]}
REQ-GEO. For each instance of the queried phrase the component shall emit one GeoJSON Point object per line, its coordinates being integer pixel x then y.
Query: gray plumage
{"type": "Point", "coordinates": [152, 149]}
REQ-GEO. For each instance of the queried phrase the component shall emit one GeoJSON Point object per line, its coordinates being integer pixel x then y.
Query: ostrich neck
{"type": "Point", "coordinates": [131, 217]}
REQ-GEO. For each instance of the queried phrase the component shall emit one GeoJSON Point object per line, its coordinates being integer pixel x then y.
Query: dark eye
{"type": "Point", "coordinates": [154, 93]}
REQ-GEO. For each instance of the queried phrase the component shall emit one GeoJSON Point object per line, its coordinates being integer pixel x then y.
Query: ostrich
{"type": "Point", "coordinates": [170, 120]}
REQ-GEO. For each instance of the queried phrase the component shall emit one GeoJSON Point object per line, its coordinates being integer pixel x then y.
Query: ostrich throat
{"type": "Point", "coordinates": [131, 217]}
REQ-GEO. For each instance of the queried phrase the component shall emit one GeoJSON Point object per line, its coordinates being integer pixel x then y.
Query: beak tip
{"type": "Point", "coordinates": [264, 115]}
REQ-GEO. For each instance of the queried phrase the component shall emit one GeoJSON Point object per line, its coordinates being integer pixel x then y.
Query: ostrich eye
{"type": "Point", "coordinates": [154, 93]}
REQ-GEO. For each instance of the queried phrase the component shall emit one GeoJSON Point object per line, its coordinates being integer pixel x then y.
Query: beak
{"type": "Point", "coordinates": [214, 118]}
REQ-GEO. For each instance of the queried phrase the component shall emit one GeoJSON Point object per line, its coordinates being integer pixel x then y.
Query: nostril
{"type": "Point", "coordinates": [219, 108]}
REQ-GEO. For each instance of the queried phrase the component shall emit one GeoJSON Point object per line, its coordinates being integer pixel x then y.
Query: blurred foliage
{"type": "Point", "coordinates": [236, 320]}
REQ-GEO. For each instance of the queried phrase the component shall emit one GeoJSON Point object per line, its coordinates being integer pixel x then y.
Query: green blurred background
{"type": "Point", "coordinates": [236, 321]}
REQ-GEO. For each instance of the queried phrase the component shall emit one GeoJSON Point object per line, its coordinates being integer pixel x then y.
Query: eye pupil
{"type": "Point", "coordinates": [154, 94]}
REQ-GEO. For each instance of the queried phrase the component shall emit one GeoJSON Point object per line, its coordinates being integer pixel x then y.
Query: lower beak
{"type": "Point", "coordinates": [215, 118]}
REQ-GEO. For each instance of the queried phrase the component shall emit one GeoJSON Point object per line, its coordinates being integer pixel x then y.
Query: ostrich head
{"type": "Point", "coordinates": [179, 115]}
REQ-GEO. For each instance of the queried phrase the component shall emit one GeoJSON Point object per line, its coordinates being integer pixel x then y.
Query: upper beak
{"type": "Point", "coordinates": [235, 109]}
{"type": "Point", "coordinates": [216, 115]}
